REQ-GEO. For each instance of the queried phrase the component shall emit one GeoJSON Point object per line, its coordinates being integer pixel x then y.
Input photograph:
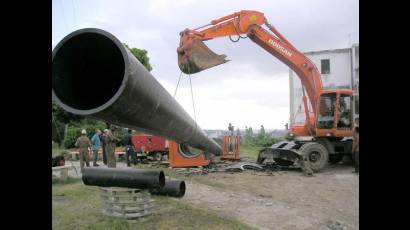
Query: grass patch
{"type": "Point", "coordinates": [249, 151]}
{"type": "Point", "coordinates": [70, 180]}
{"type": "Point", "coordinates": [76, 206]}
{"type": "Point", "coordinates": [56, 152]}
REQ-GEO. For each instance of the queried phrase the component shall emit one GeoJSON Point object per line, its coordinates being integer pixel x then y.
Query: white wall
{"type": "Point", "coordinates": [340, 76]}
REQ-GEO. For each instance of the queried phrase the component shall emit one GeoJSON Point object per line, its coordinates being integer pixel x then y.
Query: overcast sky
{"type": "Point", "coordinates": [253, 88]}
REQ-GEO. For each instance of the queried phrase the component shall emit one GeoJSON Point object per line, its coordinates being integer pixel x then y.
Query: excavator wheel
{"type": "Point", "coordinates": [316, 154]}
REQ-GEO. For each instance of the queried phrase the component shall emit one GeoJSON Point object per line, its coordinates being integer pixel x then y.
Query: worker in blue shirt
{"type": "Point", "coordinates": [95, 140]}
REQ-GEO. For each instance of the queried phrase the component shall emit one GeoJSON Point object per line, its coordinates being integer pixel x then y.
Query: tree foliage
{"type": "Point", "coordinates": [141, 55]}
{"type": "Point", "coordinates": [74, 130]}
{"type": "Point", "coordinates": [249, 138]}
{"type": "Point", "coordinates": [260, 140]}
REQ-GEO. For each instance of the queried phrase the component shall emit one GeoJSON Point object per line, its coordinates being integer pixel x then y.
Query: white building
{"type": "Point", "coordinates": [339, 69]}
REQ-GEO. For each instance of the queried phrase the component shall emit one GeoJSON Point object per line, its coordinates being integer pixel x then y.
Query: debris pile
{"type": "Point", "coordinates": [241, 166]}
{"type": "Point", "coordinates": [191, 170]}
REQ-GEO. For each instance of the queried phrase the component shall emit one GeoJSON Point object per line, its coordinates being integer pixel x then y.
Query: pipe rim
{"type": "Point", "coordinates": [182, 188]}
{"type": "Point", "coordinates": [124, 54]}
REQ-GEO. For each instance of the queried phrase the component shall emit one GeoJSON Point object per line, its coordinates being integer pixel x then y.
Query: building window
{"type": "Point", "coordinates": [325, 66]}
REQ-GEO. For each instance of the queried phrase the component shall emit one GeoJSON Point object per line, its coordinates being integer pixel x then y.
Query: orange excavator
{"type": "Point", "coordinates": [326, 133]}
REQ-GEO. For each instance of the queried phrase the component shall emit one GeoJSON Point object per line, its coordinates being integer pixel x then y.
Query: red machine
{"type": "Point", "coordinates": [329, 118]}
{"type": "Point", "coordinates": [181, 156]}
{"type": "Point", "coordinates": [58, 161]}
{"type": "Point", "coordinates": [149, 144]}
{"type": "Point", "coordinates": [178, 155]}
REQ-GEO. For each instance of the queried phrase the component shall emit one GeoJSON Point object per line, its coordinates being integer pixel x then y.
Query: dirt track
{"type": "Point", "coordinates": [285, 200]}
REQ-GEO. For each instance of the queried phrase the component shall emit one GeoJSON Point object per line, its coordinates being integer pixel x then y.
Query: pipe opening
{"type": "Point", "coordinates": [188, 151]}
{"type": "Point", "coordinates": [182, 188]}
{"type": "Point", "coordinates": [161, 179]}
{"type": "Point", "coordinates": [88, 70]}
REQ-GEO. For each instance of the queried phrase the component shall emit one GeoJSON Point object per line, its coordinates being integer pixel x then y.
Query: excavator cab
{"type": "Point", "coordinates": [194, 56]}
{"type": "Point", "coordinates": [335, 114]}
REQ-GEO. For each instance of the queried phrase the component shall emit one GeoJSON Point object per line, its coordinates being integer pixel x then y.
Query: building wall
{"type": "Point", "coordinates": [344, 73]}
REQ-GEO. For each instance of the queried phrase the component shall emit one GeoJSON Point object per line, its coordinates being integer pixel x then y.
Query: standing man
{"type": "Point", "coordinates": [355, 146]}
{"type": "Point", "coordinates": [111, 143]}
{"type": "Point", "coordinates": [230, 128]}
{"type": "Point", "coordinates": [129, 149]}
{"type": "Point", "coordinates": [104, 145]}
{"type": "Point", "coordinates": [95, 140]}
{"type": "Point", "coordinates": [83, 143]}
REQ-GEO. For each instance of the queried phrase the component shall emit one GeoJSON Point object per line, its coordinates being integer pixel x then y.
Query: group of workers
{"type": "Point", "coordinates": [107, 141]}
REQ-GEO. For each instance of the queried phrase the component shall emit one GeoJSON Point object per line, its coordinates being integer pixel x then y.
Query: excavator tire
{"type": "Point", "coordinates": [316, 154]}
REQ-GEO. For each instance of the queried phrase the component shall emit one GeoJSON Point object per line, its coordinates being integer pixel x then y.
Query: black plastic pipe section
{"type": "Point", "coordinates": [175, 188]}
{"type": "Point", "coordinates": [127, 178]}
{"type": "Point", "coordinates": [95, 74]}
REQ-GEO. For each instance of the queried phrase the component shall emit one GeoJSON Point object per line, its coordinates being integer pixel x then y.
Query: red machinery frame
{"type": "Point", "coordinates": [234, 154]}
{"type": "Point", "coordinates": [177, 159]}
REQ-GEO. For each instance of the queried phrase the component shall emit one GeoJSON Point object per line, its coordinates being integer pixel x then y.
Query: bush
{"type": "Point", "coordinates": [266, 141]}
{"type": "Point", "coordinates": [54, 145]}
{"type": "Point", "coordinates": [121, 133]}
{"type": "Point", "coordinates": [74, 131]}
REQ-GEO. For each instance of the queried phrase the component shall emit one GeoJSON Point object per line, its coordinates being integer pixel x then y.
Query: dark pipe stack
{"type": "Point", "coordinates": [128, 177]}
{"type": "Point", "coordinates": [174, 188]}
{"type": "Point", "coordinates": [154, 180]}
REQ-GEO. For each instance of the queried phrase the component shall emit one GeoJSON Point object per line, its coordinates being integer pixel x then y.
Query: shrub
{"type": "Point", "coordinates": [74, 131]}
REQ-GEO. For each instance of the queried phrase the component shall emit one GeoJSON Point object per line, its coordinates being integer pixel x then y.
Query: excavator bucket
{"type": "Point", "coordinates": [194, 56]}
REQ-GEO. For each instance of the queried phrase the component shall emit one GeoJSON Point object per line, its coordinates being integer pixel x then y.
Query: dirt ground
{"type": "Point", "coordinates": [283, 200]}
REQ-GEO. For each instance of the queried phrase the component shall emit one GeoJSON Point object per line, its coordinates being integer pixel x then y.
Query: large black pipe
{"type": "Point", "coordinates": [95, 74]}
{"type": "Point", "coordinates": [175, 188]}
{"type": "Point", "coordinates": [127, 178]}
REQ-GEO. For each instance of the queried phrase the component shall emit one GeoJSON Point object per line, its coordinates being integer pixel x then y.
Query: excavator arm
{"type": "Point", "coordinates": [194, 56]}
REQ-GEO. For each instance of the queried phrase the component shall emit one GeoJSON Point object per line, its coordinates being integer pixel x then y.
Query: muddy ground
{"type": "Point", "coordinates": [283, 200]}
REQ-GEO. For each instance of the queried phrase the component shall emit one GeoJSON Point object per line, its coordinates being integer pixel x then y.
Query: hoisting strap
{"type": "Point", "coordinates": [179, 79]}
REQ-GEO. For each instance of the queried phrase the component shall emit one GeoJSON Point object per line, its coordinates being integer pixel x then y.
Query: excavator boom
{"type": "Point", "coordinates": [194, 56]}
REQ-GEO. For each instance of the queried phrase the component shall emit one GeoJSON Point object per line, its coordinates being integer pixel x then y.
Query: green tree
{"type": "Point", "coordinates": [74, 130]}
{"type": "Point", "coordinates": [260, 140]}
{"type": "Point", "coordinates": [249, 139]}
{"type": "Point", "coordinates": [59, 120]}
{"type": "Point", "coordinates": [62, 116]}
{"type": "Point", "coordinates": [262, 133]}
{"type": "Point", "coordinates": [141, 55]}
